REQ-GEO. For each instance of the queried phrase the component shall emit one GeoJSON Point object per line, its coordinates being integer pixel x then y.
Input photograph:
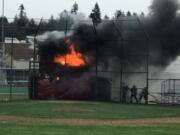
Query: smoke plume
{"type": "Point", "coordinates": [115, 43]}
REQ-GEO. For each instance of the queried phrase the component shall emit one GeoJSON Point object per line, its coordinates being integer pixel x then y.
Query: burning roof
{"type": "Point", "coordinates": [72, 58]}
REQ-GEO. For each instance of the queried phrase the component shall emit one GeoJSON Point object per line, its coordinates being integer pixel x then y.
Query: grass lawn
{"type": "Point", "coordinates": [18, 93]}
{"type": "Point", "coordinates": [14, 89]}
{"type": "Point", "coordinates": [48, 129]}
{"type": "Point", "coordinates": [97, 110]}
{"type": "Point", "coordinates": [16, 118]}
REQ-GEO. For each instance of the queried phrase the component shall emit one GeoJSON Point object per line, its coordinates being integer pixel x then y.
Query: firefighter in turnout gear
{"type": "Point", "coordinates": [144, 94]}
{"type": "Point", "coordinates": [133, 94]}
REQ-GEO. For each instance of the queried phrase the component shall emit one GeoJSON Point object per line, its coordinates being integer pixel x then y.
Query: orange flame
{"type": "Point", "coordinates": [72, 59]}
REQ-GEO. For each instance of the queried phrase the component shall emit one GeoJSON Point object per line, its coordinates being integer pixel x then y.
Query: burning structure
{"type": "Point", "coordinates": [93, 62]}
{"type": "Point", "coordinates": [89, 62]}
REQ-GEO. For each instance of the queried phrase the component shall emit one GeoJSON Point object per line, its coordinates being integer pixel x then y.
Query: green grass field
{"type": "Point", "coordinates": [99, 110]}
{"type": "Point", "coordinates": [49, 129]}
{"type": "Point", "coordinates": [14, 90]}
{"type": "Point", "coordinates": [18, 93]}
{"type": "Point", "coordinates": [30, 118]}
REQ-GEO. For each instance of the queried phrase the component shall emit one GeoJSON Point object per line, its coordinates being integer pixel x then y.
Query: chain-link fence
{"type": "Point", "coordinates": [117, 50]}
{"type": "Point", "coordinates": [170, 91]}
{"type": "Point", "coordinates": [14, 84]}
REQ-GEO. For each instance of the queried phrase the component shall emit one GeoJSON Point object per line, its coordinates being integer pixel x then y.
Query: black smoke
{"type": "Point", "coordinates": [122, 40]}
{"type": "Point", "coordinates": [115, 42]}
{"type": "Point", "coordinates": [100, 43]}
{"type": "Point", "coordinates": [51, 47]}
{"type": "Point", "coordinates": [163, 25]}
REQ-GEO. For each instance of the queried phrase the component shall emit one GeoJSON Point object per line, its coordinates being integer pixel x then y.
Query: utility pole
{"type": "Point", "coordinates": [34, 88]}
{"type": "Point", "coordinates": [2, 36]}
{"type": "Point", "coordinates": [2, 62]}
{"type": "Point", "coordinates": [11, 71]}
{"type": "Point", "coordinates": [147, 51]}
{"type": "Point", "coordinates": [95, 32]}
{"type": "Point", "coordinates": [119, 31]}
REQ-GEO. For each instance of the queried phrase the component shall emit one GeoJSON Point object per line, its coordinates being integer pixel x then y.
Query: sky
{"type": "Point", "coordinates": [46, 8]}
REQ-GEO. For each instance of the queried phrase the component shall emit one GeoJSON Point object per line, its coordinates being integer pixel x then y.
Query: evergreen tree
{"type": "Point", "coordinates": [123, 14]}
{"type": "Point", "coordinates": [52, 22]}
{"type": "Point", "coordinates": [5, 20]}
{"type": "Point", "coordinates": [15, 20]}
{"type": "Point", "coordinates": [21, 20]}
{"type": "Point", "coordinates": [96, 14]}
{"type": "Point", "coordinates": [22, 13]}
{"type": "Point", "coordinates": [106, 17]}
{"type": "Point", "coordinates": [74, 8]}
{"type": "Point", "coordinates": [142, 14]}
{"type": "Point", "coordinates": [128, 13]}
{"type": "Point", "coordinates": [134, 14]}
{"type": "Point", "coordinates": [118, 14]}
{"type": "Point", "coordinates": [32, 23]}
{"type": "Point", "coordinates": [32, 26]}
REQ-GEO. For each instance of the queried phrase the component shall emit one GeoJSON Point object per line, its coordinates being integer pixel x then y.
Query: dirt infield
{"type": "Point", "coordinates": [146, 121]}
{"type": "Point", "coordinates": [67, 102]}
{"type": "Point", "coordinates": [73, 110]}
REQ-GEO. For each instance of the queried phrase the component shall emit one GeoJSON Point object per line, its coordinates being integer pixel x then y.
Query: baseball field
{"type": "Point", "coordinates": [27, 117]}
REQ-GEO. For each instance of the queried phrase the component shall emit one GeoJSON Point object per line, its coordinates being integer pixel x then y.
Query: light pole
{"type": "Point", "coordinates": [2, 36]}
{"type": "Point", "coordinates": [3, 47]}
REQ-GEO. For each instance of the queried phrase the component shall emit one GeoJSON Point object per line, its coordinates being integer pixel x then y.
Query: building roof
{"type": "Point", "coordinates": [21, 51]}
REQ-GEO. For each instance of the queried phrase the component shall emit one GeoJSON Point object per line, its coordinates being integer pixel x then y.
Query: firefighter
{"type": "Point", "coordinates": [133, 94]}
{"type": "Point", "coordinates": [144, 94]}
